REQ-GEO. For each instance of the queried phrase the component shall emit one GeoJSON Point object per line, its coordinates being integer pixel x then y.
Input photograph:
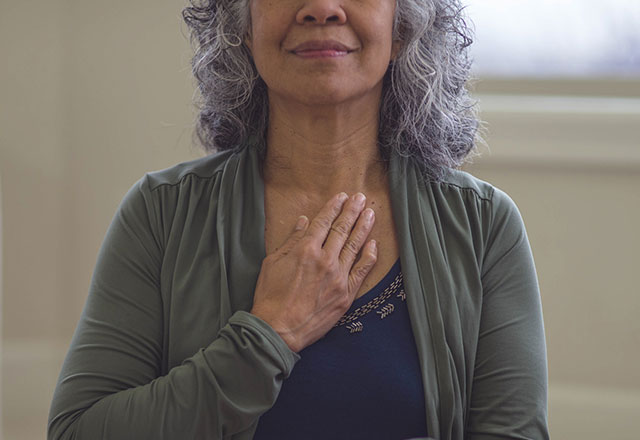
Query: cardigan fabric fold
{"type": "Point", "coordinates": [166, 349]}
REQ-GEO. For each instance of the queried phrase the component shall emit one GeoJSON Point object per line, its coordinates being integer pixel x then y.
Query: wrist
{"type": "Point", "coordinates": [285, 334]}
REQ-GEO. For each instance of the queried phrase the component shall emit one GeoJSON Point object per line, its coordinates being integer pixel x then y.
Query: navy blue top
{"type": "Point", "coordinates": [361, 381]}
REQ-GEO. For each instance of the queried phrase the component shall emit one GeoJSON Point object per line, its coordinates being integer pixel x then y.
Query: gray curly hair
{"type": "Point", "coordinates": [426, 112]}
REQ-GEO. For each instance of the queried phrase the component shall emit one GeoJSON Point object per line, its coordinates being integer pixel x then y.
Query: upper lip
{"type": "Point", "coordinates": [321, 45]}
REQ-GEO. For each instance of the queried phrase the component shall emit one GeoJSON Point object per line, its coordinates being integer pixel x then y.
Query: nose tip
{"type": "Point", "coordinates": [321, 12]}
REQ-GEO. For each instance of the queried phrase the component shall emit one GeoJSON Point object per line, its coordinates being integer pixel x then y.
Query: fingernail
{"type": "Point", "coordinates": [374, 245]}
{"type": "Point", "coordinates": [342, 197]}
{"type": "Point", "coordinates": [302, 220]}
{"type": "Point", "coordinates": [360, 198]}
{"type": "Point", "coordinates": [368, 214]}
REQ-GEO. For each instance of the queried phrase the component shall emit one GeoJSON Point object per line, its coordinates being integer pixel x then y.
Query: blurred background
{"type": "Point", "coordinates": [95, 94]}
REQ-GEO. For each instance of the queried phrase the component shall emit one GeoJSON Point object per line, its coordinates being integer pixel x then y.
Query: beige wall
{"type": "Point", "coordinates": [93, 94]}
{"type": "Point", "coordinates": [572, 164]}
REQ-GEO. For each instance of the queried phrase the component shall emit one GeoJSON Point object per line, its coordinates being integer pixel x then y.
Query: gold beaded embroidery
{"type": "Point", "coordinates": [385, 311]}
{"type": "Point", "coordinates": [351, 321]}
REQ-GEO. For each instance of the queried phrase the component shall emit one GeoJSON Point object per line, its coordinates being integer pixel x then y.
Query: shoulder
{"type": "Point", "coordinates": [498, 213]}
{"type": "Point", "coordinates": [457, 197]}
{"type": "Point", "coordinates": [483, 212]}
{"type": "Point", "coordinates": [207, 168]}
{"type": "Point", "coordinates": [467, 202]}
{"type": "Point", "coordinates": [458, 180]}
{"type": "Point", "coordinates": [458, 184]}
{"type": "Point", "coordinates": [157, 198]}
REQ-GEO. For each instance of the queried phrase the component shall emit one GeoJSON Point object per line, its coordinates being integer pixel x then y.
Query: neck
{"type": "Point", "coordinates": [323, 150]}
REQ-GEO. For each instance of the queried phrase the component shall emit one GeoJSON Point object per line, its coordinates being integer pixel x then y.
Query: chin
{"type": "Point", "coordinates": [317, 93]}
{"type": "Point", "coordinates": [324, 98]}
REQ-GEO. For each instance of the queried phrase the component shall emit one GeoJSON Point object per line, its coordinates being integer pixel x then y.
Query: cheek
{"type": "Point", "coordinates": [376, 32]}
{"type": "Point", "coordinates": [380, 50]}
{"type": "Point", "coordinates": [267, 60]}
{"type": "Point", "coordinates": [267, 34]}
{"type": "Point", "coordinates": [259, 48]}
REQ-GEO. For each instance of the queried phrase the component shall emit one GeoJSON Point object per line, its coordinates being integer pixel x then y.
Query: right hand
{"type": "Point", "coordinates": [306, 285]}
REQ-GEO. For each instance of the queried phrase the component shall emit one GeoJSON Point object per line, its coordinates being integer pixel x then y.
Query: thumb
{"type": "Point", "coordinates": [301, 224]}
{"type": "Point", "coordinates": [298, 232]}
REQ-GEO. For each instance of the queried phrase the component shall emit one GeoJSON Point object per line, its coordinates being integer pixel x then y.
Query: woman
{"type": "Point", "coordinates": [398, 297]}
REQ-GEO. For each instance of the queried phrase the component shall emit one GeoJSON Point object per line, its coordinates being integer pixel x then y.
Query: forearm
{"type": "Point", "coordinates": [219, 391]}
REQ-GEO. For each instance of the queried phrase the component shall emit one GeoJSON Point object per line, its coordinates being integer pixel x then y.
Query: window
{"type": "Point", "coordinates": [556, 38]}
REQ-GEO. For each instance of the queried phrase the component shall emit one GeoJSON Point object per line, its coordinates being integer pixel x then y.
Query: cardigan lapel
{"type": "Point", "coordinates": [240, 229]}
{"type": "Point", "coordinates": [420, 254]}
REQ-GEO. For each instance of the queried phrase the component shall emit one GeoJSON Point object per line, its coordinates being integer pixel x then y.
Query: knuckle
{"type": "Point", "coordinates": [360, 272]}
{"type": "Point", "coordinates": [341, 228]}
{"type": "Point", "coordinates": [323, 265]}
{"type": "Point", "coordinates": [352, 247]}
{"type": "Point", "coordinates": [363, 270]}
{"type": "Point", "coordinates": [345, 302]}
{"type": "Point", "coordinates": [331, 267]}
{"type": "Point", "coordinates": [323, 222]}
{"type": "Point", "coordinates": [371, 258]}
{"type": "Point", "coordinates": [336, 285]}
{"type": "Point", "coordinates": [308, 248]}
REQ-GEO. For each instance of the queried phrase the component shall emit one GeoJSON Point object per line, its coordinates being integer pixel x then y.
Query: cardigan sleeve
{"type": "Point", "coordinates": [509, 392]}
{"type": "Point", "coordinates": [111, 386]}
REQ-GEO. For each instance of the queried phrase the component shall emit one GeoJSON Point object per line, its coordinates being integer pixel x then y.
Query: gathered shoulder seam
{"type": "Point", "coordinates": [183, 177]}
{"type": "Point", "coordinates": [487, 198]}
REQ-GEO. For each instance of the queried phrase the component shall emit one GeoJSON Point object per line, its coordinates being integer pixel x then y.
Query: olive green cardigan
{"type": "Point", "coordinates": [165, 347]}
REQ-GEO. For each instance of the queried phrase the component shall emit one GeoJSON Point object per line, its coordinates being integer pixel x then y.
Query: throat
{"type": "Point", "coordinates": [309, 183]}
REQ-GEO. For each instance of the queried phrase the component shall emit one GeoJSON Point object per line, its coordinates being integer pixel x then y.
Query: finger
{"type": "Point", "coordinates": [321, 223]}
{"type": "Point", "coordinates": [362, 268]}
{"type": "Point", "coordinates": [298, 232]}
{"type": "Point", "coordinates": [342, 226]}
{"type": "Point", "coordinates": [301, 225]}
{"type": "Point", "coordinates": [357, 238]}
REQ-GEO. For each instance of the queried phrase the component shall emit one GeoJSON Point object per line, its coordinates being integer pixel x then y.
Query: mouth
{"type": "Point", "coordinates": [321, 53]}
{"type": "Point", "coordinates": [321, 49]}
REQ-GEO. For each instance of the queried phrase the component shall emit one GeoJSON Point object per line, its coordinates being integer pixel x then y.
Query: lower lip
{"type": "Point", "coordinates": [321, 53]}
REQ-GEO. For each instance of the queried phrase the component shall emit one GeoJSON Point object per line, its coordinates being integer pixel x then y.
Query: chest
{"type": "Point", "coordinates": [283, 210]}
